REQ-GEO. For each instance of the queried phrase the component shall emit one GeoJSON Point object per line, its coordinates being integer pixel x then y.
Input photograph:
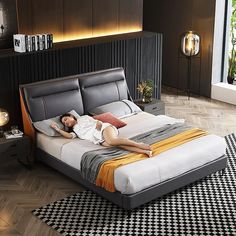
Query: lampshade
{"type": "Point", "coordinates": [4, 117]}
{"type": "Point", "coordinates": [190, 44]}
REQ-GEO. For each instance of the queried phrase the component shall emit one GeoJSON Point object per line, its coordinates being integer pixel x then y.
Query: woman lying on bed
{"type": "Point", "coordinates": [87, 128]}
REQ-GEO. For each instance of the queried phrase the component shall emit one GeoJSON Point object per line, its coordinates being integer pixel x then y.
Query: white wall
{"type": "Point", "coordinates": [224, 92]}
{"type": "Point", "coordinates": [221, 91]}
{"type": "Point", "coordinates": [218, 42]}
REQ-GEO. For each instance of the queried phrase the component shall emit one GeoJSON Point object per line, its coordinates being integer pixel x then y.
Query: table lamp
{"type": "Point", "coordinates": [4, 119]}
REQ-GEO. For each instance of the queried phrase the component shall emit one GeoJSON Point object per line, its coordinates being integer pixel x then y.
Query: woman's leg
{"type": "Point", "coordinates": [138, 150]}
{"type": "Point", "coordinates": [111, 138]}
{"type": "Point", "coordinates": [130, 148]}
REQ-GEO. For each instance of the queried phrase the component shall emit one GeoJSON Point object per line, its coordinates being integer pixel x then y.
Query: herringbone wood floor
{"type": "Point", "coordinates": [22, 190]}
{"type": "Point", "coordinates": [214, 116]}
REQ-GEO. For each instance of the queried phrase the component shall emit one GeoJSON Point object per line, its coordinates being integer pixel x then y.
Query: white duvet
{"type": "Point", "coordinates": [137, 176]}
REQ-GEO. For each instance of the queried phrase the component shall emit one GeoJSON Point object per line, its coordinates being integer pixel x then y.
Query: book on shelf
{"type": "Point", "coordinates": [49, 40]}
{"type": "Point", "coordinates": [26, 43]}
{"type": "Point", "coordinates": [29, 43]}
{"type": "Point", "coordinates": [10, 135]}
{"type": "Point", "coordinates": [45, 39]}
{"type": "Point", "coordinates": [34, 43]}
{"type": "Point", "coordinates": [40, 42]}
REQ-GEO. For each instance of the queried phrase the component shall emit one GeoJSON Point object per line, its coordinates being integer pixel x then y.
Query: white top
{"type": "Point", "coordinates": [86, 129]}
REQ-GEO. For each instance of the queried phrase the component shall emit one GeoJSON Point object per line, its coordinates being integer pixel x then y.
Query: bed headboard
{"type": "Point", "coordinates": [102, 87]}
{"type": "Point", "coordinates": [50, 98]}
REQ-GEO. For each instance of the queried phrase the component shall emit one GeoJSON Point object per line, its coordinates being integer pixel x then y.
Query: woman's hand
{"type": "Point", "coordinates": [55, 126]}
{"type": "Point", "coordinates": [99, 125]}
{"type": "Point", "coordinates": [61, 132]}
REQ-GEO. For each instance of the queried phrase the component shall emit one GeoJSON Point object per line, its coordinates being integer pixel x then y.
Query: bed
{"type": "Point", "coordinates": [136, 183]}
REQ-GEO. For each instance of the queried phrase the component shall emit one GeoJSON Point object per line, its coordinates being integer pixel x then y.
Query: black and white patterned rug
{"type": "Point", "coordinates": [207, 207]}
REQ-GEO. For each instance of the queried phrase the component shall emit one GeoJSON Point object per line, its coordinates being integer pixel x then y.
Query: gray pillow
{"type": "Point", "coordinates": [45, 128]}
{"type": "Point", "coordinates": [118, 109]}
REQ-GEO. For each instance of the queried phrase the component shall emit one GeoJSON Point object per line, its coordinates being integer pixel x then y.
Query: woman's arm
{"type": "Point", "coordinates": [99, 125]}
{"type": "Point", "coordinates": [62, 132]}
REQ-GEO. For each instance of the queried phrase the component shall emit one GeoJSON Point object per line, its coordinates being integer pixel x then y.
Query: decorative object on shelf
{"type": "Point", "coordinates": [29, 43]}
{"type": "Point", "coordinates": [146, 90]}
{"type": "Point", "coordinates": [14, 129]}
{"type": "Point", "coordinates": [4, 119]}
{"type": "Point", "coordinates": [190, 47]}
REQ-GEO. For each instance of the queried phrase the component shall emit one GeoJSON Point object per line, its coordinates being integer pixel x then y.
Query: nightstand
{"type": "Point", "coordinates": [18, 148]}
{"type": "Point", "coordinates": [156, 107]}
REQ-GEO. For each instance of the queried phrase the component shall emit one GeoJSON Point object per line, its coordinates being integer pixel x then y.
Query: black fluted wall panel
{"type": "Point", "coordinates": [141, 57]}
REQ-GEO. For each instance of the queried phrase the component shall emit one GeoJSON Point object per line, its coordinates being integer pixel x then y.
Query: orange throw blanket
{"type": "Point", "coordinates": [105, 177]}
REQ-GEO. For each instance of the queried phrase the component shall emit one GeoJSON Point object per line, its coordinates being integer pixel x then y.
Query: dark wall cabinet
{"type": "Point", "coordinates": [140, 54]}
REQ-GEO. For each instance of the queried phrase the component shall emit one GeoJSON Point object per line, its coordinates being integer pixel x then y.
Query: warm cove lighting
{"type": "Point", "coordinates": [100, 34]}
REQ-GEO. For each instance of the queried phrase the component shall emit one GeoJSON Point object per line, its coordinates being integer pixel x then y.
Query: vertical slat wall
{"type": "Point", "coordinates": [141, 58]}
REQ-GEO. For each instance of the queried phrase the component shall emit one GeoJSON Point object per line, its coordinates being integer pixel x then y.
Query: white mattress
{"type": "Point", "coordinates": [137, 176]}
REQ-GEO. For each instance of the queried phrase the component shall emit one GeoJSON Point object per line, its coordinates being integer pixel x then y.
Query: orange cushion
{"type": "Point", "coordinates": [109, 118]}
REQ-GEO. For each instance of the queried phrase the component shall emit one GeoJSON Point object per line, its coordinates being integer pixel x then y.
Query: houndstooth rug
{"type": "Point", "coordinates": [207, 207]}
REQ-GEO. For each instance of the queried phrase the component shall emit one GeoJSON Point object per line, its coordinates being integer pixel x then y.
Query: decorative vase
{"type": "Point", "coordinates": [146, 99]}
{"type": "Point", "coordinates": [230, 79]}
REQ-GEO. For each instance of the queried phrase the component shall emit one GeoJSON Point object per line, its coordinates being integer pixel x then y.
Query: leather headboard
{"type": "Point", "coordinates": [47, 99]}
{"type": "Point", "coordinates": [102, 87]}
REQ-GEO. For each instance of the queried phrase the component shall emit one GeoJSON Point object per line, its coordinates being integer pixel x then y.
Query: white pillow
{"type": "Point", "coordinates": [44, 126]}
{"type": "Point", "coordinates": [118, 109]}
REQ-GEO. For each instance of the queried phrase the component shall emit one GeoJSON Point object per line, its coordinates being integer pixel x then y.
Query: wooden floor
{"type": "Point", "coordinates": [22, 190]}
{"type": "Point", "coordinates": [214, 116]}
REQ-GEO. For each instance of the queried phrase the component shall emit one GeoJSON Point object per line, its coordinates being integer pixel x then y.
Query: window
{"type": "Point", "coordinates": [231, 52]}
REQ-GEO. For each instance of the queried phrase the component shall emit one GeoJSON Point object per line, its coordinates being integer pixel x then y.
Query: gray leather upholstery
{"type": "Point", "coordinates": [51, 98]}
{"type": "Point", "coordinates": [118, 108]}
{"type": "Point", "coordinates": [102, 87]}
{"type": "Point", "coordinates": [81, 93]}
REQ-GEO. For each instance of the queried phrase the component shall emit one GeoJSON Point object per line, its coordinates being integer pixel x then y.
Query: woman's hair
{"type": "Point", "coordinates": [70, 129]}
{"type": "Point", "coordinates": [65, 115]}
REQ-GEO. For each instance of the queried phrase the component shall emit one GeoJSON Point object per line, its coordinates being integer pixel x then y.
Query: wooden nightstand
{"type": "Point", "coordinates": [19, 148]}
{"type": "Point", "coordinates": [156, 107]}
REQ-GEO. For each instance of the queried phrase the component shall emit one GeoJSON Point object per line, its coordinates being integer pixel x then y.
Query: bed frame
{"type": "Point", "coordinates": [43, 100]}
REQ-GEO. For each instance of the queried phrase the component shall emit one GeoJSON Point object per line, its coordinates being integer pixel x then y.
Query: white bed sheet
{"type": "Point", "coordinates": [137, 176]}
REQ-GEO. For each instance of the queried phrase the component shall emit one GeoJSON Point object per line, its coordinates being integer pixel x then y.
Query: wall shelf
{"type": "Point", "coordinates": [82, 42]}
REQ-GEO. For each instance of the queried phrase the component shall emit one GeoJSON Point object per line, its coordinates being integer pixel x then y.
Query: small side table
{"type": "Point", "coordinates": [17, 148]}
{"type": "Point", "coordinates": [156, 107]}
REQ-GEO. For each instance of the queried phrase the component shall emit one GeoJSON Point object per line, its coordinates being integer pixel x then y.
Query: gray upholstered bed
{"type": "Point", "coordinates": [43, 100]}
